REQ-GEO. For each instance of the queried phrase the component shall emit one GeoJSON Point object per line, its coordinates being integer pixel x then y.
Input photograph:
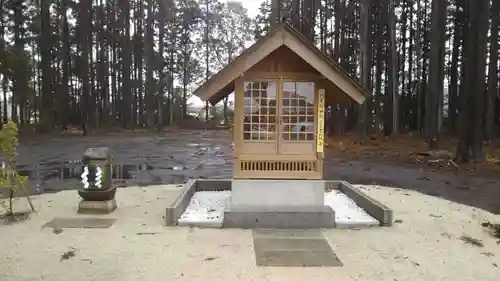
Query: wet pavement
{"type": "Point", "coordinates": [174, 157]}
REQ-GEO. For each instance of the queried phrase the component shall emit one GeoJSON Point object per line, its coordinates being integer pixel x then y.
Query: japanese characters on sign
{"type": "Point", "coordinates": [320, 132]}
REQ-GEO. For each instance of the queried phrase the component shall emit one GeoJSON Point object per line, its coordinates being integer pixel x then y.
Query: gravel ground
{"type": "Point", "coordinates": [426, 243]}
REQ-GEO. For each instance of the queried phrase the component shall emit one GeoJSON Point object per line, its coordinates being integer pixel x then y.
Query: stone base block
{"type": "Point", "coordinates": [96, 207]}
{"type": "Point", "coordinates": [277, 193]}
{"type": "Point", "coordinates": [284, 217]}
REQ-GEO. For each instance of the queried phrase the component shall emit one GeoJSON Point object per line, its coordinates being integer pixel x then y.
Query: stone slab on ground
{"type": "Point", "coordinates": [80, 223]}
{"type": "Point", "coordinates": [287, 233]}
{"type": "Point", "coordinates": [96, 207]}
{"type": "Point", "coordinates": [292, 244]}
{"type": "Point", "coordinates": [277, 193]}
{"type": "Point", "coordinates": [290, 248]}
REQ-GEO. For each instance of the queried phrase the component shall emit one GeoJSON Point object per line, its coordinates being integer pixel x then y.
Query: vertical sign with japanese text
{"type": "Point", "coordinates": [320, 133]}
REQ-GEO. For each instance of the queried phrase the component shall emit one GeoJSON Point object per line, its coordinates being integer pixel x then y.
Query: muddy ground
{"type": "Point", "coordinates": [174, 157]}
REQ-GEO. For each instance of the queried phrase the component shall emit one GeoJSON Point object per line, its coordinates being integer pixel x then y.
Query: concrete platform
{"type": "Point", "coordinates": [96, 207]}
{"type": "Point", "coordinates": [277, 216]}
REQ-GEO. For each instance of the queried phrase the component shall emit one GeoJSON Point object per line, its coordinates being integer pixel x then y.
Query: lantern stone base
{"type": "Point", "coordinates": [96, 207]}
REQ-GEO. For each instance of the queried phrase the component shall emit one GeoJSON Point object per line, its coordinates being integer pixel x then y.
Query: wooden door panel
{"type": "Point", "coordinates": [277, 133]}
{"type": "Point", "coordinates": [297, 119]}
{"type": "Point", "coordinates": [259, 117]}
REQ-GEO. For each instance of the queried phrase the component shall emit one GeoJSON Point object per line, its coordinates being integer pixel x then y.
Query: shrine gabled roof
{"type": "Point", "coordinates": [222, 84]}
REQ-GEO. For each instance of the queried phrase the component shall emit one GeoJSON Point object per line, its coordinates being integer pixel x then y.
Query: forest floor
{"type": "Point", "coordinates": [176, 155]}
{"type": "Point", "coordinates": [410, 150]}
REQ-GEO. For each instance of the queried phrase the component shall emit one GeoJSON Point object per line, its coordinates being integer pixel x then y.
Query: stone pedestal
{"type": "Point", "coordinates": [96, 207]}
{"type": "Point", "coordinates": [277, 193]}
{"type": "Point", "coordinates": [290, 204]}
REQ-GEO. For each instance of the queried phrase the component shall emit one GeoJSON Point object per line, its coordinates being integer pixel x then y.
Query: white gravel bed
{"type": "Point", "coordinates": [206, 209]}
{"type": "Point", "coordinates": [347, 212]}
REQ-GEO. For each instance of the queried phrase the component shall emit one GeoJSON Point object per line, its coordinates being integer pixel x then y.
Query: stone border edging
{"type": "Point", "coordinates": [175, 210]}
{"type": "Point", "coordinates": [376, 209]}
{"type": "Point", "coordinates": [332, 185]}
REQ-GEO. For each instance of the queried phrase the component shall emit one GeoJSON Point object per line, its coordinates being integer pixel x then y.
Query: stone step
{"type": "Point", "coordinates": [279, 217]}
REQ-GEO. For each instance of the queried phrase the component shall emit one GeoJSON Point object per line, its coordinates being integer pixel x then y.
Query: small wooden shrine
{"type": "Point", "coordinates": [282, 85]}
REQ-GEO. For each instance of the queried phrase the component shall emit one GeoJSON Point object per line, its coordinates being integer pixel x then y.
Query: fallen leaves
{"type": "Point", "coordinates": [68, 254]}
{"type": "Point", "coordinates": [147, 233]}
{"type": "Point", "coordinates": [472, 241]}
{"type": "Point", "coordinates": [15, 217]}
{"type": "Point", "coordinates": [493, 228]}
{"type": "Point", "coordinates": [57, 230]}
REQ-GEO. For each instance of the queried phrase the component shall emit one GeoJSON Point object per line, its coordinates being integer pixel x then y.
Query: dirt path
{"type": "Point", "coordinates": [174, 157]}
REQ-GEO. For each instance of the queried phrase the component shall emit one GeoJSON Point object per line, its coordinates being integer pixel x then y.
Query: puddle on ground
{"type": "Point", "coordinates": [52, 176]}
{"type": "Point", "coordinates": [73, 170]}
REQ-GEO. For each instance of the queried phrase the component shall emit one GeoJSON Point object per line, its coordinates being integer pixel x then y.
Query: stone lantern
{"type": "Point", "coordinates": [97, 191]}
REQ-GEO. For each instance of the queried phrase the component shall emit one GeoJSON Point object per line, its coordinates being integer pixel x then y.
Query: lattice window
{"type": "Point", "coordinates": [260, 111]}
{"type": "Point", "coordinates": [298, 111]}
{"type": "Point", "coordinates": [279, 166]}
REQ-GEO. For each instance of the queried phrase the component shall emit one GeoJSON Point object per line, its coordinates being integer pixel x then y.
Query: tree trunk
{"type": "Point", "coordinates": [379, 69]}
{"type": "Point", "coordinates": [492, 73]}
{"type": "Point", "coordinates": [336, 36]}
{"type": "Point", "coordinates": [436, 73]}
{"type": "Point", "coordinates": [393, 72]}
{"type": "Point", "coordinates": [85, 42]}
{"type": "Point", "coordinates": [295, 14]}
{"type": "Point", "coordinates": [18, 83]}
{"type": "Point", "coordinates": [161, 64]}
{"type": "Point", "coordinates": [454, 69]}
{"type": "Point", "coordinates": [150, 65]}
{"type": "Point", "coordinates": [126, 101]}
{"type": "Point", "coordinates": [366, 61]}
{"type": "Point", "coordinates": [275, 15]}
{"type": "Point", "coordinates": [410, 87]}
{"type": "Point", "coordinates": [45, 46]}
{"type": "Point", "coordinates": [63, 99]}
{"type": "Point", "coordinates": [470, 146]}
